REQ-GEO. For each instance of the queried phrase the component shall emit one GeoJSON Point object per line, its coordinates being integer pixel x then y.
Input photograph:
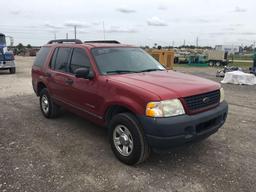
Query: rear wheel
{"type": "Point", "coordinates": [12, 70]}
{"type": "Point", "coordinates": [218, 64]}
{"type": "Point", "coordinates": [47, 106]}
{"type": "Point", "coordinates": [127, 139]}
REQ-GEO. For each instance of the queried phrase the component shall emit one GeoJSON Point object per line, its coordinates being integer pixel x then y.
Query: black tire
{"type": "Point", "coordinates": [141, 150]}
{"type": "Point", "coordinates": [211, 63]}
{"type": "Point", "coordinates": [53, 109]}
{"type": "Point", "coordinates": [218, 64]}
{"type": "Point", "coordinates": [12, 70]}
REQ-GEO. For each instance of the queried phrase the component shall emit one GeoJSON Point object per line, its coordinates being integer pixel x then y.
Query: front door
{"type": "Point", "coordinates": [82, 93]}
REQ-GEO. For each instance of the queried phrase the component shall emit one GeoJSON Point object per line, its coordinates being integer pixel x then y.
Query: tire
{"type": "Point", "coordinates": [218, 64]}
{"type": "Point", "coordinates": [131, 138]}
{"type": "Point", "coordinates": [211, 64]}
{"type": "Point", "coordinates": [47, 106]}
{"type": "Point", "coordinates": [12, 70]}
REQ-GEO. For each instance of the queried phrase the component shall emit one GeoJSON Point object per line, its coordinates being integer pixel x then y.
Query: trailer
{"type": "Point", "coordinates": [217, 58]}
{"type": "Point", "coordinates": [7, 61]}
{"type": "Point", "coordinates": [253, 68]}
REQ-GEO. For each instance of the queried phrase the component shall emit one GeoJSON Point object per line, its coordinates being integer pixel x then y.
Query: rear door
{"type": "Point", "coordinates": [58, 74]}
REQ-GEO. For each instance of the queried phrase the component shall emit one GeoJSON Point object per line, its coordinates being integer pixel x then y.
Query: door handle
{"type": "Point", "coordinates": [69, 81]}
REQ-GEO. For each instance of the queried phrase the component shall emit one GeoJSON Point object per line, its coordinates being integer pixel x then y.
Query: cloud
{"type": "Point", "coordinates": [126, 10]}
{"type": "Point", "coordinates": [15, 12]}
{"type": "Point", "coordinates": [51, 26]}
{"type": "Point", "coordinates": [239, 10]}
{"type": "Point", "coordinates": [229, 29]}
{"type": "Point", "coordinates": [236, 25]}
{"type": "Point", "coordinates": [156, 21]}
{"type": "Point", "coordinates": [119, 29]}
{"type": "Point", "coordinates": [72, 23]}
{"type": "Point", "coordinates": [247, 33]}
{"type": "Point", "coordinates": [233, 33]}
{"type": "Point", "coordinates": [162, 7]}
{"type": "Point", "coordinates": [96, 23]}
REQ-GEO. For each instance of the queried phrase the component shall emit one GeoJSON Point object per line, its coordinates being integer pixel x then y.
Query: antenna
{"type": "Point", "coordinates": [103, 25]}
{"type": "Point", "coordinates": [75, 30]}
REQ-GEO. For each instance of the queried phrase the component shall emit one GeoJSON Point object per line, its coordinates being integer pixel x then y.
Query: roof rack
{"type": "Point", "coordinates": [76, 41]}
{"type": "Point", "coordinates": [104, 41]}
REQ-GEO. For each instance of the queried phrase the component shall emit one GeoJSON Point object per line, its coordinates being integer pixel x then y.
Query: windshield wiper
{"type": "Point", "coordinates": [148, 70]}
{"type": "Point", "coordinates": [120, 71]}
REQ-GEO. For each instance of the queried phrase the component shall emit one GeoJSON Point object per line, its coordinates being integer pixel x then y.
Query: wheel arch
{"type": "Point", "coordinates": [115, 109]}
{"type": "Point", "coordinates": [40, 87]}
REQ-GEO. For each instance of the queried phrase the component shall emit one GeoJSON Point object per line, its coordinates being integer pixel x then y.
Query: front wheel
{"type": "Point", "coordinates": [127, 139]}
{"type": "Point", "coordinates": [211, 64]}
{"type": "Point", "coordinates": [12, 70]}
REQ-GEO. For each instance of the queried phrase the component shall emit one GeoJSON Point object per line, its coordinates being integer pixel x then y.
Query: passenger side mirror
{"type": "Point", "coordinates": [84, 73]}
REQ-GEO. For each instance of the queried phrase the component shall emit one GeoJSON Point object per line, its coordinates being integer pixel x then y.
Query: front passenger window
{"type": "Point", "coordinates": [79, 60]}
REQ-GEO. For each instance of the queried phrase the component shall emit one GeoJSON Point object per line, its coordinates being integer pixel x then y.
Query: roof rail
{"type": "Point", "coordinates": [76, 41]}
{"type": "Point", "coordinates": [104, 41]}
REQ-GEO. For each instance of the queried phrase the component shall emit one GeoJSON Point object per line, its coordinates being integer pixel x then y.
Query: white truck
{"type": "Point", "coordinates": [217, 58]}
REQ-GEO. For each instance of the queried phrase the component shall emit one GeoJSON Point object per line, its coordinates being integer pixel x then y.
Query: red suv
{"type": "Point", "coordinates": [123, 88]}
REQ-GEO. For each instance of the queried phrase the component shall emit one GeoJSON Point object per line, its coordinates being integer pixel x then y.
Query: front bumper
{"type": "Point", "coordinates": [173, 131]}
{"type": "Point", "coordinates": [7, 64]}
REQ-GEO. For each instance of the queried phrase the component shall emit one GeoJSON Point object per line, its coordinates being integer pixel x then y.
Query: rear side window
{"type": "Point", "coordinates": [41, 56]}
{"type": "Point", "coordinates": [62, 59]}
{"type": "Point", "coordinates": [79, 60]}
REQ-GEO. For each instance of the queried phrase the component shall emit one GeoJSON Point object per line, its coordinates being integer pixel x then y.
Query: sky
{"type": "Point", "coordinates": [138, 22]}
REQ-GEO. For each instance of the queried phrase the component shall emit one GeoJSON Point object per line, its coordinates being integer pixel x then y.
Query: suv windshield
{"type": "Point", "coordinates": [124, 60]}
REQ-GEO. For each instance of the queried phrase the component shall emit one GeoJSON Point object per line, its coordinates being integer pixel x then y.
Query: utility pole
{"type": "Point", "coordinates": [75, 30]}
{"type": "Point", "coordinates": [197, 41]}
{"type": "Point", "coordinates": [66, 35]}
{"type": "Point", "coordinates": [184, 43]}
{"type": "Point", "coordinates": [104, 33]}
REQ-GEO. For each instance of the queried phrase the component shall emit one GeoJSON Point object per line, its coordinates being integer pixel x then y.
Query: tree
{"type": "Point", "coordinates": [20, 48]}
{"type": "Point", "coordinates": [29, 46]}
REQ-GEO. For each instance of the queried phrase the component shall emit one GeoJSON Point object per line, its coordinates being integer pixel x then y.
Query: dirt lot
{"type": "Point", "coordinates": [70, 154]}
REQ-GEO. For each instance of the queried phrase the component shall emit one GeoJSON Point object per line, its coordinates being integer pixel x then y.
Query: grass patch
{"type": "Point", "coordinates": [237, 64]}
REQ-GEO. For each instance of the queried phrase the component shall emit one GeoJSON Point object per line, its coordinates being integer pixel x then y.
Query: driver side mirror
{"type": "Point", "coordinates": [84, 73]}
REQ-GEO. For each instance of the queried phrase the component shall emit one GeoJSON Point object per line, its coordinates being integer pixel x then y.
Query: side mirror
{"type": "Point", "coordinates": [83, 73]}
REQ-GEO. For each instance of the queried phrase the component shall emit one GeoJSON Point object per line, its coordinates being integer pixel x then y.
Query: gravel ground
{"type": "Point", "coordinates": [70, 154]}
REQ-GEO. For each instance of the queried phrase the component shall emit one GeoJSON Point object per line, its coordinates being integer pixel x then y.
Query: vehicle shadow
{"type": "Point", "coordinates": [5, 72]}
{"type": "Point", "coordinates": [185, 154]}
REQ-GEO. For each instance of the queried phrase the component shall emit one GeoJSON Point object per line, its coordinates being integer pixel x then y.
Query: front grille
{"type": "Point", "coordinates": [203, 101]}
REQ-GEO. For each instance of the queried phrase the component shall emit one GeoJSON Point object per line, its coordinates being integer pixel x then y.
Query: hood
{"type": "Point", "coordinates": [168, 84]}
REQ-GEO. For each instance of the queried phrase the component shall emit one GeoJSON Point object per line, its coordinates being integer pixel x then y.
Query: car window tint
{"type": "Point", "coordinates": [62, 59]}
{"type": "Point", "coordinates": [53, 59]}
{"type": "Point", "coordinates": [41, 56]}
{"type": "Point", "coordinates": [79, 60]}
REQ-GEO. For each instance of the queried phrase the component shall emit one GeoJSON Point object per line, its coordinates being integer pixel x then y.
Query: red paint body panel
{"type": "Point", "coordinates": [92, 98]}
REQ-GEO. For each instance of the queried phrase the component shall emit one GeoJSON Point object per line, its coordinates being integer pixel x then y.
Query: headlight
{"type": "Point", "coordinates": [222, 95]}
{"type": "Point", "coordinates": [166, 108]}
